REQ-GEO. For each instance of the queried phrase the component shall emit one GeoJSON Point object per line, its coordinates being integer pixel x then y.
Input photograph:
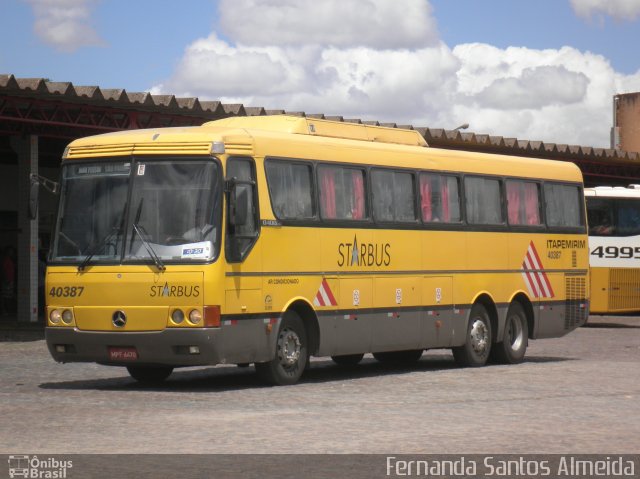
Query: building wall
{"type": "Point", "coordinates": [627, 122]}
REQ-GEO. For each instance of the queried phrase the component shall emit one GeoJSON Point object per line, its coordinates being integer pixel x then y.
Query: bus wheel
{"type": "Point", "coordinates": [291, 353]}
{"type": "Point", "coordinates": [399, 357]}
{"type": "Point", "coordinates": [348, 359]}
{"type": "Point", "coordinates": [513, 346]}
{"type": "Point", "coordinates": [475, 351]}
{"type": "Point", "coordinates": [149, 374]}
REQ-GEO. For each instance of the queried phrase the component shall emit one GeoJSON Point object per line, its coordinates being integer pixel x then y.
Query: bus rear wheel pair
{"type": "Point", "coordinates": [479, 348]}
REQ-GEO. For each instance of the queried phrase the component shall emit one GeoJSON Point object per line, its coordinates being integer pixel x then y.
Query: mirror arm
{"type": "Point", "coordinates": [49, 185]}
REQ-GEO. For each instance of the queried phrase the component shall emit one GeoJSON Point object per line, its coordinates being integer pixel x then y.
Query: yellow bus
{"type": "Point", "coordinates": [614, 247]}
{"type": "Point", "coordinates": [268, 240]}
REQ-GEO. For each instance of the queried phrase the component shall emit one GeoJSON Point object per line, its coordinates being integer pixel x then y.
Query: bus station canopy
{"type": "Point", "coordinates": [58, 112]}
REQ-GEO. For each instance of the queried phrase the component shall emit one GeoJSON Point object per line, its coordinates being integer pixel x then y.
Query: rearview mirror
{"type": "Point", "coordinates": [239, 205]}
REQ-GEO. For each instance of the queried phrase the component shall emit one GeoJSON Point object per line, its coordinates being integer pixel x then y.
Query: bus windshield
{"type": "Point", "coordinates": [613, 216]}
{"type": "Point", "coordinates": [173, 214]}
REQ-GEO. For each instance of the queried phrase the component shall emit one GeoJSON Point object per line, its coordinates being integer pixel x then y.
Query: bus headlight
{"type": "Point", "coordinates": [195, 316]}
{"type": "Point", "coordinates": [55, 316]}
{"type": "Point", "coordinates": [67, 316]}
{"type": "Point", "coordinates": [177, 316]}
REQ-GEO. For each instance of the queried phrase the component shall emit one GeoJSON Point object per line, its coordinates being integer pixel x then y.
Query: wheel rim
{"type": "Point", "coordinates": [479, 336]}
{"type": "Point", "coordinates": [515, 332]}
{"type": "Point", "coordinates": [289, 348]}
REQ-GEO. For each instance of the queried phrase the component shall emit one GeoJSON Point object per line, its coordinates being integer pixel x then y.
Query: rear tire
{"type": "Point", "coordinates": [475, 351]}
{"type": "Point", "coordinates": [291, 353]}
{"type": "Point", "coordinates": [399, 357]}
{"type": "Point", "coordinates": [348, 359]}
{"type": "Point", "coordinates": [150, 374]}
{"type": "Point", "coordinates": [512, 348]}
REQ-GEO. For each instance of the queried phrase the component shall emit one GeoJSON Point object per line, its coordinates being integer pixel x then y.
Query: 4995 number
{"type": "Point", "coordinates": [625, 252]}
{"type": "Point", "coordinates": [66, 291]}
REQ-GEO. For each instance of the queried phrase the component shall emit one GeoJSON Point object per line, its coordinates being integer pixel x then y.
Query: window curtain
{"type": "Point", "coordinates": [328, 193]}
{"type": "Point", "coordinates": [425, 198]}
{"type": "Point", "coordinates": [357, 212]}
{"type": "Point", "coordinates": [532, 210]}
{"type": "Point", "coordinates": [446, 214]}
{"type": "Point", "coordinates": [513, 202]}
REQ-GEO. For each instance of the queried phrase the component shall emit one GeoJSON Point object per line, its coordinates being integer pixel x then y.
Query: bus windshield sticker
{"type": "Point", "coordinates": [196, 250]}
{"type": "Point", "coordinates": [141, 168]}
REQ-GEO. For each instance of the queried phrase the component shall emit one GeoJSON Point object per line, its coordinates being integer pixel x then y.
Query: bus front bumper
{"type": "Point", "coordinates": [170, 347]}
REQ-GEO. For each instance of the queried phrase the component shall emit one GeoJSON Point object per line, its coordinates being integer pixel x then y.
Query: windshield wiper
{"type": "Point", "coordinates": [156, 259]}
{"type": "Point", "coordinates": [137, 228]}
{"type": "Point", "coordinates": [99, 245]}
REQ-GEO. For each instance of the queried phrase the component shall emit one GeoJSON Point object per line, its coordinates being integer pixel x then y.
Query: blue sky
{"type": "Point", "coordinates": [540, 70]}
{"type": "Point", "coordinates": [539, 24]}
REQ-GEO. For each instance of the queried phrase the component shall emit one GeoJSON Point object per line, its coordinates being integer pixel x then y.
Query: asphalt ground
{"type": "Point", "coordinates": [575, 394]}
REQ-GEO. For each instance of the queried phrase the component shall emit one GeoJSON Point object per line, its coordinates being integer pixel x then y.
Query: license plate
{"type": "Point", "coordinates": [123, 354]}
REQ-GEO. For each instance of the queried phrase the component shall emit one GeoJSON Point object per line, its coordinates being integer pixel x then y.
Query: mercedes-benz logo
{"type": "Point", "coordinates": [119, 319]}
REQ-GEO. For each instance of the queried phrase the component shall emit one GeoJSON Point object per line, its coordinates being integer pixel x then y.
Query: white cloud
{"type": "Point", "coordinates": [536, 87]}
{"type": "Point", "coordinates": [64, 24]}
{"type": "Point", "coordinates": [212, 67]}
{"type": "Point", "coordinates": [388, 85]}
{"type": "Point", "coordinates": [618, 9]}
{"type": "Point", "coordinates": [555, 95]}
{"type": "Point", "coordinates": [337, 23]}
{"type": "Point", "coordinates": [561, 96]}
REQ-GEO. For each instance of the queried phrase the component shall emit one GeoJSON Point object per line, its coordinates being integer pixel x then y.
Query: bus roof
{"type": "Point", "coordinates": [326, 128]}
{"type": "Point", "coordinates": [631, 191]}
{"type": "Point", "coordinates": [303, 138]}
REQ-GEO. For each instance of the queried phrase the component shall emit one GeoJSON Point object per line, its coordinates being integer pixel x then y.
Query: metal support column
{"type": "Point", "coordinates": [27, 149]}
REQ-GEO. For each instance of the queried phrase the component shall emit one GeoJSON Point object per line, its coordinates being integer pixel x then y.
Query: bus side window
{"type": "Point", "coordinates": [483, 201]}
{"type": "Point", "coordinates": [564, 206]}
{"type": "Point", "coordinates": [242, 209]}
{"type": "Point", "coordinates": [523, 203]}
{"type": "Point", "coordinates": [393, 196]}
{"type": "Point", "coordinates": [439, 198]}
{"type": "Point", "coordinates": [342, 193]}
{"type": "Point", "coordinates": [291, 190]}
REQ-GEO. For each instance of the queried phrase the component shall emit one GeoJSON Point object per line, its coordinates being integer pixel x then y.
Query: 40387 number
{"type": "Point", "coordinates": [66, 291]}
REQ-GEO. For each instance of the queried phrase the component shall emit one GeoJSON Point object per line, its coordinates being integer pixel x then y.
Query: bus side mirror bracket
{"type": "Point", "coordinates": [36, 182]}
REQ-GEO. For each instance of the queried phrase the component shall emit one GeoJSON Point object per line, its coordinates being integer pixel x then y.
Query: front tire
{"type": "Point", "coordinates": [150, 374]}
{"type": "Point", "coordinates": [291, 353]}
{"type": "Point", "coordinates": [475, 351]}
{"type": "Point", "coordinates": [512, 348]}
